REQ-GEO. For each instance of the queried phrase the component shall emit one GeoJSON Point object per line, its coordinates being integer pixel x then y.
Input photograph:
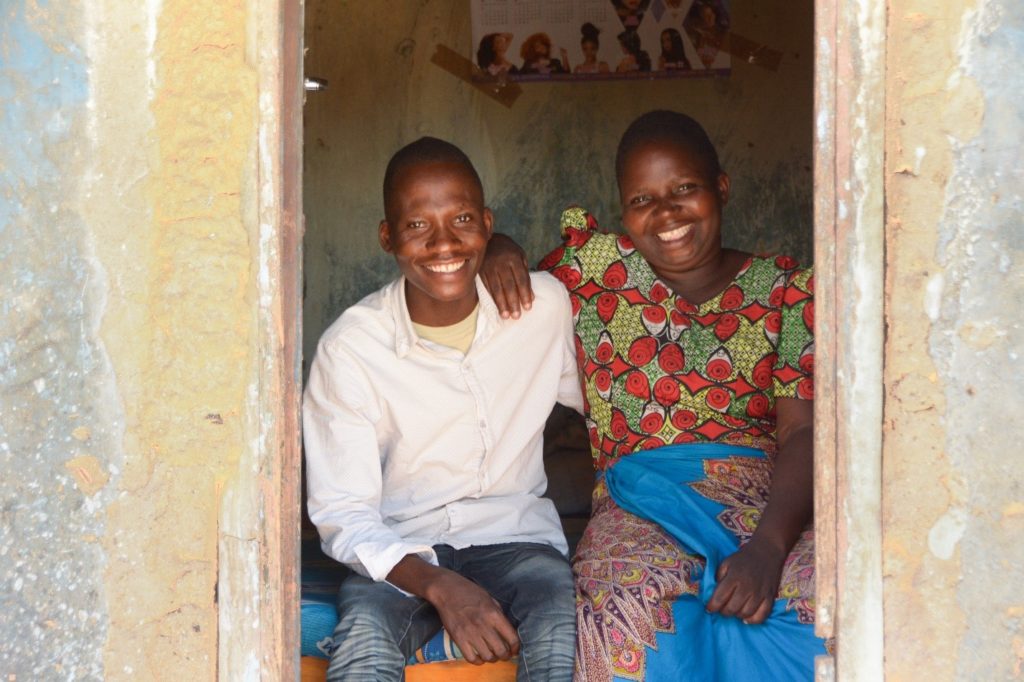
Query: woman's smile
{"type": "Point", "coordinates": [677, 233]}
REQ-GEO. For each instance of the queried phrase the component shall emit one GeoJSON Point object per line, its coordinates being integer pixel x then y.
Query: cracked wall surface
{"type": "Point", "coordinates": [554, 147]}
{"type": "Point", "coordinates": [128, 306]}
{"type": "Point", "coordinates": [953, 485]}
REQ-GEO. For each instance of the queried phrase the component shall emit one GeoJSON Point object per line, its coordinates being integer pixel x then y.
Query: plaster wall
{"type": "Point", "coordinates": [128, 330]}
{"type": "Point", "coordinates": [952, 480]}
{"type": "Point", "coordinates": [554, 147]}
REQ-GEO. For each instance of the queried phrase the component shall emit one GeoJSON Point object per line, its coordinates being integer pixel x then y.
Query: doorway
{"type": "Point", "coordinates": [553, 147]}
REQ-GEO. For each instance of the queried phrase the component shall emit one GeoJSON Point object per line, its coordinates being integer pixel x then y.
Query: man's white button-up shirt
{"type": "Point", "coordinates": [410, 444]}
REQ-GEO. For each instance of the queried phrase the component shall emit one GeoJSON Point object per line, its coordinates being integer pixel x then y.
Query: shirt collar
{"type": "Point", "coordinates": [405, 336]}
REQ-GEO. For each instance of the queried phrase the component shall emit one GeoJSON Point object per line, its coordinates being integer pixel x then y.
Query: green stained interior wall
{"type": "Point", "coordinates": [553, 147]}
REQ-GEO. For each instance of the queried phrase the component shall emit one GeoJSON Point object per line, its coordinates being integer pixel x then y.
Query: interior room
{"type": "Point", "coordinates": [539, 147]}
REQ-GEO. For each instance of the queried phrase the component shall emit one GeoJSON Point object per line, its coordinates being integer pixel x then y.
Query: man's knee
{"type": "Point", "coordinates": [545, 604]}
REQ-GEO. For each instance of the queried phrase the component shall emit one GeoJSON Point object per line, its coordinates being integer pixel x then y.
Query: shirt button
{"type": "Point", "coordinates": [483, 424]}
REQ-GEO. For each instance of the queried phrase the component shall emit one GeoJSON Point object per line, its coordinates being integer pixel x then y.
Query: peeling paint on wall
{"type": "Point", "coordinates": [955, 195]}
{"type": "Point", "coordinates": [60, 418]}
{"type": "Point", "coordinates": [981, 248]}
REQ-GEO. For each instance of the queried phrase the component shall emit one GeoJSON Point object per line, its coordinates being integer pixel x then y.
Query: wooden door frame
{"type": "Point", "coordinates": [849, 259]}
{"type": "Point", "coordinates": [849, 124]}
{"type": "Point", "coordinates": [259, 526]}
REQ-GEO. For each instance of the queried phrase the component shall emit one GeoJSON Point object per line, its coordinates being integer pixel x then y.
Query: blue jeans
{"type": "Point", "coordinates": [380, 627]}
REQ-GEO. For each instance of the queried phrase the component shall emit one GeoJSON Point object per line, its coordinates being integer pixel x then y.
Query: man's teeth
{"type": "Point", "coordinates": [447, 267]}
{"type": "Point", "coordinates": [677, 233]}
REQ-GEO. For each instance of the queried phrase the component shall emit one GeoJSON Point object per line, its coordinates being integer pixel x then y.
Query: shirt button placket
{"type": "Point", "coordinates": [485, 436]}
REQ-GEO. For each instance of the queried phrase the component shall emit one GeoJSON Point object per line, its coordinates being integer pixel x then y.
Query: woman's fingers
{"type": "Point", "coordinates": [760, 614]}
{"type": "Point", "coordinates": [512, 291]}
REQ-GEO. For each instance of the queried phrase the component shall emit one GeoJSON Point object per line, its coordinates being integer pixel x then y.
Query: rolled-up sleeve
{"type": "Point", "coordinates": [343, 468]}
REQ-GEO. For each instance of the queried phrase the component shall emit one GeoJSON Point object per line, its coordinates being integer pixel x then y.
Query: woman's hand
{"type": "Point", "coordinates": [748, 582]}
{"type": "Point", "coordinates": [506, 275]}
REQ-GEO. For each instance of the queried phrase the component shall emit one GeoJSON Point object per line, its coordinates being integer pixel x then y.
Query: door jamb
{"type": "Point", "coordinates": [849, 256]}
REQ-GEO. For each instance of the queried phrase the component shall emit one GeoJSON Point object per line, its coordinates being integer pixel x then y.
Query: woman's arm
{"type": "Point", "coordinates": [748, 581]}
{"type": "Point", "coordinates": [506, 274]}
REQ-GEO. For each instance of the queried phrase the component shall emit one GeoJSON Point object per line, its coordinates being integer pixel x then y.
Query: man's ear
{"type": "Point", "coordinates": [488, 222]}
{"type": "Point", "coordinates": [384, 236]}
{"type": "Point", "coordinates": [723, 188]}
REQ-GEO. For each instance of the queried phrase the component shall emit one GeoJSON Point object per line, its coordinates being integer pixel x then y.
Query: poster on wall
{"type": "Point", "coordinates": [527, 40]}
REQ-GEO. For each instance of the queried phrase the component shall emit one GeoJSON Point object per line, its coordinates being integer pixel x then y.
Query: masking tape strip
{"type": "Point", "coordinates": [752, 52]}
{"type": "Point", "coordinates": [502, 91]}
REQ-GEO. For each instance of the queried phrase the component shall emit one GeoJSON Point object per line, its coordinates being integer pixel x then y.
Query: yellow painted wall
{"type": "Point", "coordinates": [179, 328]}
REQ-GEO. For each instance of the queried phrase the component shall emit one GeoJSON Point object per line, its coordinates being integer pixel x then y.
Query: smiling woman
{"type": "Point", "coordinates": [697, 368]}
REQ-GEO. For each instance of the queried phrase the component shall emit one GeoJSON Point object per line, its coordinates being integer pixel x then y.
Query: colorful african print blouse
{"type": "Point", "coordinates": [656, 369]}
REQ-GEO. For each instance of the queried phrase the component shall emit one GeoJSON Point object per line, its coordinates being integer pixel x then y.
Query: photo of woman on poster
{"type": "Point", "coordinates": [631, 12]}
{"type": "Point", "coordinates": [673, 56]}
{"type": "Point", "coordinates": [536, 54]}
{"type": "Point", "coordinates": [634, 57]}
{"type": "Point", "coordinates": [490, 55]}
{"type": "Point", "coordinates": [589, 45]}
{"type": "Point", "coordinates": [707, 25]}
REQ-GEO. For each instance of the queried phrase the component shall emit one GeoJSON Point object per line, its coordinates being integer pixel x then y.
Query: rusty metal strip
{"type": "Point", "coordinates": [285, 482]}
{"type": "Point", "coordinates": [502, 91]}
{"type": "Point", "coordinates": [825, 319]}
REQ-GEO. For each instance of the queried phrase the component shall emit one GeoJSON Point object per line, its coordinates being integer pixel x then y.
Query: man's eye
{"type": "Point", "coordinates": [639, 200]}
{"type": "Point", "coordinates": [417, 224]}
{"type": "Point", "coordinates": [464, 218]}
{"type": "Point", "coordinates": [686, 187]}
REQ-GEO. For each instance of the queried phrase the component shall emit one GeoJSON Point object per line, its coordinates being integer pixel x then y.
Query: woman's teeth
{"type": "Point", "coordinates": [677, 233]}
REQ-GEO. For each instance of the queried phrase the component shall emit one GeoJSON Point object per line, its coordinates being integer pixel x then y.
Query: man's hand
{"type": "Point", "coordinates": [506, 274]}
{"type": "Point", "coordinates": [472, 617]}
{"type": "Point", "coordinates": [748, 582]}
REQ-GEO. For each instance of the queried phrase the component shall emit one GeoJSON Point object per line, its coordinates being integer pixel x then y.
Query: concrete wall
{"type": "Point", "coordinates": [128, 331]}
{"type": "Point", "coordinates": [953, 485]}
{"type": "Point", "coordinates": [553, 147]}
{"type": "Point", "coordinates": [134, 282]}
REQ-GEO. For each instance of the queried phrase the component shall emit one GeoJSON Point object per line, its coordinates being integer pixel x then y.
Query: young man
{"type": "Point", "coordinates": [423, 421]}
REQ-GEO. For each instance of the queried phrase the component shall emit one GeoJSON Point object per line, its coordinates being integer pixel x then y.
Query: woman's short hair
{"type": "Point", "coordinates": [673, 127]}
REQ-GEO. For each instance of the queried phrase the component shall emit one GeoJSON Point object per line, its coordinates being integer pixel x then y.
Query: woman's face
{"type": "Point", "coordinates": [500, 45]}
{"type": "Point", "coordinates": [666, 41]}
{"type": "Point", "coordinates": [670, 209]}
{"type": "Point", "coordinates": [707, 13]}
{"type": "Point", "coordinates": [589, 48]}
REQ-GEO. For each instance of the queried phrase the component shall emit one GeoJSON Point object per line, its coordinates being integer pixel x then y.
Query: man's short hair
{"type": "Point", "coordinates": [425, 150]}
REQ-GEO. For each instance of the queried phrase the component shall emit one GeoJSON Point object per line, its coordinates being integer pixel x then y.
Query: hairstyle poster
{"type": "Point", "coordinates": [526, 40]}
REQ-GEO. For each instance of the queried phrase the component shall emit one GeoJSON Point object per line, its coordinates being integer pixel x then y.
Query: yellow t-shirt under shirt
{"type": "Point", "coordinates": [458, 336]}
